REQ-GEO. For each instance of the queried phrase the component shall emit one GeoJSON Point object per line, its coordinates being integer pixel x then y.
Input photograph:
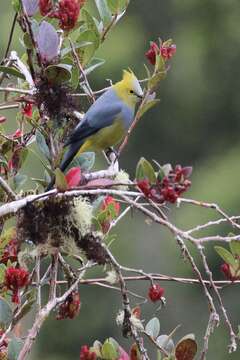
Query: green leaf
{"type": "Point", "coordinates": [5, 313]}
{"type": "Point", "coordinates": [27, 305]}
{"type": "Point", "coordinates": [97, 204]}
{"type": "Point", "coordinates": [94, 64]}
{"type": "Point", "coordinates": [108, 351]}
{"type": "Point", "coordinates": [160, 65]}
{"type": "Point", "coordinates": [159, 355]}
{"type": "Point", "coordinates": [104, 12]}
{"type": "Point", "coordinates": [2, 272]}
{"type": "Point", "coordinates": [155, 79]}
{"type": "Point", "coordinates": [11, 71]}
{"type": "Point", "coordinates": [19, 180]}
{"type": "Point", "coordinates": [117, 6]}
{"type": "Point", "coordinates": [58, 74]}
{"type": "Point", "coordinates": [14, 348]}
{"type": "Point", "coordinates": [85, 161]}
{"type": "Point", "coordinates": [86, 53]}
{"type": "Point", "coordinates": [7, 236]}
{"type": "Point", "coordinates": [41, 182]}
{"type": "Point", "coordinates": [42, 145]}
{"type": "Point", "coordinates": [148, 105]}
{"type": "Point", "coordinates": [78, 45]}
{"type": "Point", "coordinates": [23, 156]}
{"type": "Point", "coordinates": [97, 345]}
{"type": "Point", "coordinates": [27, 40]}
{"type": "Point", "coordinates": [238, 333]}
{"type": "Point", "coordinates": [145, 171]}
{"type": "Point", "coordinates": [226, 256]}
{"type": "Point", "coordinates": [153, 327]}
{"type": "Point", "coordinates": [235, 247]}
{"type": "Point", "coordinates": [186, 348]}
{"type": "Point", "coordinates": [60, 180]}
{"type": "Point", "coordinates": [114, 343]}
{"type": "Point", "coordinates": [91, 25]}
{"type": "Point", "coordinates": [75, 77]}
{"type": "Point", "coordinates": [16, 5]}
{"type": "Point", "coordinates": [166, 343]}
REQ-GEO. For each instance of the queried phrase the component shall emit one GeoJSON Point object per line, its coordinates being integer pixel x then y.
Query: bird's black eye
{"type": "Point", "coordinates": [131, 92]}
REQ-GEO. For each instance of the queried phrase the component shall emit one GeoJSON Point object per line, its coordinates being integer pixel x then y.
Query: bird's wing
{"type": "Point", "coordinates": [98, 117]}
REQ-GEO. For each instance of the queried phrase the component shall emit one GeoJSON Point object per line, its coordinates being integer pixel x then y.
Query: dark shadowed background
{"type": "Point", "coordinates": [196, 123]}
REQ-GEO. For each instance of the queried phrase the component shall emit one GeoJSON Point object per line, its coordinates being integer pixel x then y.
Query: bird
{"type": "Point", "coordinates": [107, 120]}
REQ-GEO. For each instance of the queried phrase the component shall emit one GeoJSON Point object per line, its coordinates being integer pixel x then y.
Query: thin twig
{"type": "Point", "coordinates": [134, 123]}
{"type": "Point", "coordinates": [16, 90]}
{"type": "Point", "coordinates": [42, 316]}
{"type": "Point", "coordinates": [109, 27]}
{"type": "Point", "coordinates": [209, 206]}
{"type": "Point", "coordinates": [7, 107]}
{"type": "Point", "coordinates": [4, 185]}
{"type": "Point", "coordinates": [38, 282]}
{"type": "Point", "coordinates": [77, 61]}
{"type": "Point", "coordinates": [233, 344]}
{"type": "Point", "coordinates": [127, 324]}
{"type": "Point", "coordinates": [10, 38]}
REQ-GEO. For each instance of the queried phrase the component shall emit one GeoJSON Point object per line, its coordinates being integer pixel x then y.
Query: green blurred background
{"type": "Point", "coordinates": [197, 123]}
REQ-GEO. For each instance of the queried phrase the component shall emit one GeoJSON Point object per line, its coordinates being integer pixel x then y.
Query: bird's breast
{"type": "Point", "coordinates": [109, 136]}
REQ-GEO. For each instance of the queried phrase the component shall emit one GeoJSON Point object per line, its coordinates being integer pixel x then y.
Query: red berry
{"type": "Point", "coordinates": [225, 268]}
{"type": "Point", "coordinates": [144, 186]}
{"type": "Point", "coordinates": [155, 292]}
{"type": "Point", "coordinates": [45, 7]}
{"type": "Point", "coordinates": [16, 278]}
{"type": "Point", "coordinates": [86, 354]}
{"type": "Point", "coordinates": [68, 13]}
{"type": "Point", "coordinates": [27, 110]}
{"type": "Point", "coordinates": [168, 51]}
{"type": "Point", "coordinates": [152, 52]}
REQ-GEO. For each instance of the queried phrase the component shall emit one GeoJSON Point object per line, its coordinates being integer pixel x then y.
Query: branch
{"type": "Point", "coordinates": [134, 123]}
{"type": "Point", "coordinates": [233, 344]}
{"type": "Point", "coordinates": [10, 37]}
{"type": "Point", "coordinates": [209, 206]}
{"type": "Point", "coordinates": [44, 313]}
{"type": "Point", "coordinates": [20, 91]}
{"type": "Point", "coordinates": [127, 324]}
{"type": "Point", "coordinates": [4, 185]}
{"type": "Point", "coordinates": [77, 61]}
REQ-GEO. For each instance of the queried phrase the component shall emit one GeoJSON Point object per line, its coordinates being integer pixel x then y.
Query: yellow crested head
{"type": "Point", "coordinates": [129, 88]}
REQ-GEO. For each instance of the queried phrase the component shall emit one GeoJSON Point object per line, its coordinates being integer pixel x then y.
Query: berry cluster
{"type": "Point", "coordinates": [165, 50]}
{"type": "Point", "coordinates": [155, 292]}
{"type": "Point", "coordinates": [15, 279]}
{"type": "Point", "coordinates": [67, 11]}
{"type": "Point", "coordinates": [70, 308]}
{"type": "Point", "coordinates": [86, 354]}
{"type": "Point", "coordinates": [169, 187]}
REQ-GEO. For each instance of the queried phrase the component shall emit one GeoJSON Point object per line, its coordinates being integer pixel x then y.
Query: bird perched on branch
{"type": "Point", "coordinates": [107, 121]}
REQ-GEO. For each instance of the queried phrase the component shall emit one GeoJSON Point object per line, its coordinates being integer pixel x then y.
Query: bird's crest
{"type": "Point", "coordinates": [129, 77]}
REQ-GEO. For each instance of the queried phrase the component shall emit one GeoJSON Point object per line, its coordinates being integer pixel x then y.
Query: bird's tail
{"type": "Point", "coordinates": [67, 159]}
